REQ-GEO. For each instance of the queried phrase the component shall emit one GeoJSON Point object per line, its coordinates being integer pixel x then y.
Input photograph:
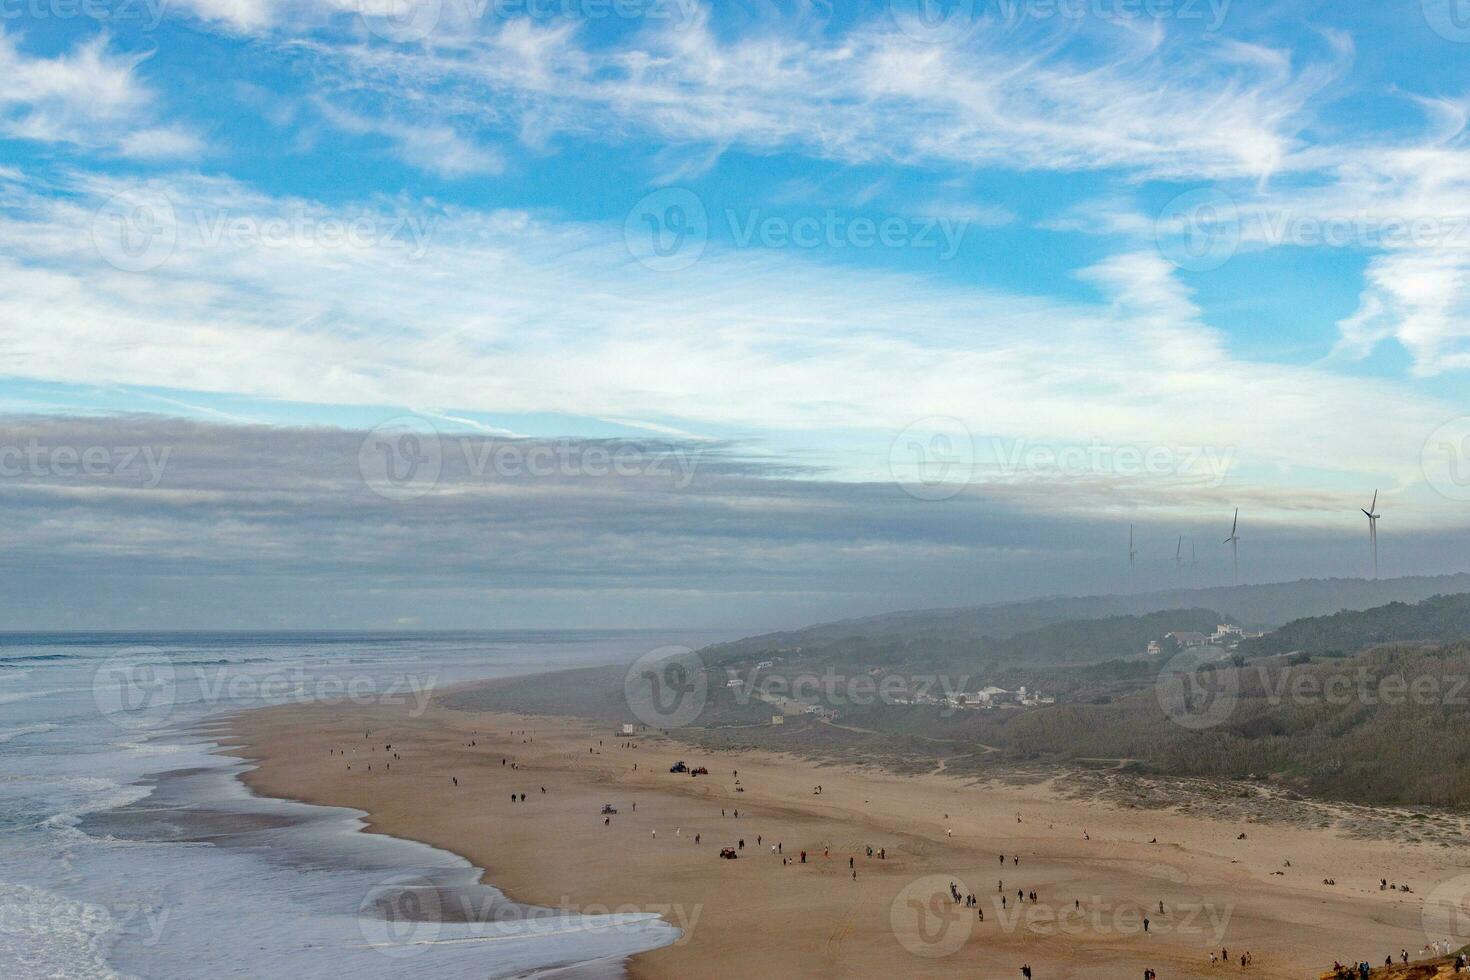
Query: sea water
{"type": "Point", "coordinates": [129, 847]}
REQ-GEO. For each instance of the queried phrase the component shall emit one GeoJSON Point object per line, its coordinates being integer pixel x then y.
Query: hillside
{"type": "Point", "coordinates": [1088, 641]}
{"type": "Point", "coordinates": [1387, 724]}
{"type": "Point", "coordinates": [1254, 606]}
{"type": "Point", "coordinates": [1440, 619]}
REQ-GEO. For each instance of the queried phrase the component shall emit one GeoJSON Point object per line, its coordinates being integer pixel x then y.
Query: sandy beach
{"type": "Point", "coordinates": [1097, 869]}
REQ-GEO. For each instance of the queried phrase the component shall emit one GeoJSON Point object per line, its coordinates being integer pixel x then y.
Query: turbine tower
{"type": "Point", "coordinates": [1373, 529]}
{"type": "Point", "coordinates": [1132, 554]}
{"type": "Point", "coordinates": [1179, 554]}
{"type": "Point", "coordinates": [1234, 542]}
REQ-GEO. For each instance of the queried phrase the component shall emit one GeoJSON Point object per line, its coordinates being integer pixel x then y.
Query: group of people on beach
{"type": "Point", "coordinates": [1355, 971]}
{"type": "Point", "coordinates": [1363, 970]}
{"type": "Point", "coordinates": [1224, 957]}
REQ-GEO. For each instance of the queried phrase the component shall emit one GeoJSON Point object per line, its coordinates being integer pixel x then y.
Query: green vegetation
{"type": "Point", "coordinates": [1093, 640]}
{"type": "Point", "coordinates": [1440, 619]}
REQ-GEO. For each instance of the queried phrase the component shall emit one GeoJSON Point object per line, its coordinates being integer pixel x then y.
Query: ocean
{"type": "Point", "coordinates": [130, 848]}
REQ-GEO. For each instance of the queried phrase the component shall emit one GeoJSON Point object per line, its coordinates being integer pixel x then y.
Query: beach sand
{"type": "Point", "coordinates": [754, 917]}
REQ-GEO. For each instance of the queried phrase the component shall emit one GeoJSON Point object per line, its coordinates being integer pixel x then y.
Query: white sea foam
{"type": "Point", "coordinates": [13, 696]}
{"type": "Point", "coordinates": [43, 934]}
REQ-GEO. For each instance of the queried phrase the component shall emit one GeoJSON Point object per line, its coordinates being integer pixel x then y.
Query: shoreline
{"type": "Point", "coordinates": [755, 916]}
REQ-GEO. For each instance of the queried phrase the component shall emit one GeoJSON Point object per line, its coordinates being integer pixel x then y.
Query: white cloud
{"type": "Point", "coordinates": [161, 143]}
{"type": "Point", "coordinates": [432, 147]}
{"type": "Point", "coordinates": [506, 313]}
{"type": "Point", "coordinates": [872, 94]}
{"type": "Point", "coordinates": [89, 96]}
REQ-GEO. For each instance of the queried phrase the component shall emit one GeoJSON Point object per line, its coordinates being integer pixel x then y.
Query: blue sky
{"type": "Point", "coordinates": [809, 230]}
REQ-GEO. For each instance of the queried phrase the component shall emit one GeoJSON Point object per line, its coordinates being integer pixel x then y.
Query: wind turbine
{"type": "Point", "coordinates": [1234, 542]}
{"type": "Point", "coordinates": [1179, 554]}
{"type": "Point", "coordinates": [1373, 529]}
{"type": "Point", "coordinates": [1132, 554]}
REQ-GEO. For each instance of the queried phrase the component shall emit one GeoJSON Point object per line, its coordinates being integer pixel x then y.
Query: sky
{"type": "Point", "coordinates": [426, 314]}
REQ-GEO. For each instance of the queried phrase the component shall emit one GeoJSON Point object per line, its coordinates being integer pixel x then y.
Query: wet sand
{"type": "Point", "coordinates": [1093, 867]}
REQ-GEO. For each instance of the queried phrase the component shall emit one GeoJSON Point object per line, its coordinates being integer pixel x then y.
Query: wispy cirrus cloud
{"type": "Point", "coordinates": [90, 97]}
{"type": "Point", "coordinates": [869, 94]}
